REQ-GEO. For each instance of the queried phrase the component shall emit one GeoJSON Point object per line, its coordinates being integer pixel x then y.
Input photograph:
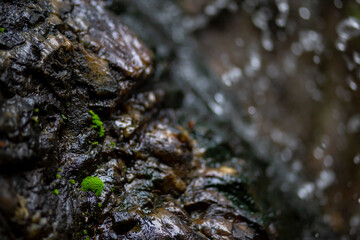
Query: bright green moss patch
{"type": "Point", "coordinates": [93, 184]}
{"type": "Point", "coordinates": [64, 117]}
{"type": "Point", "coordinates": [112, 144]}
{"type": "Point", "coordinates": [97, 123]}
{"type": "Point", "coordinates": [58, 176]}
{"type": "Point", "coordinates": [36, 110]}
{"type": "Point", "coordinates": [2, 29]}
{"type": "Point", "coordinates": [36, 119]}
{"type": "Point", "coordinates": [99, 205]}
{"type": "Point", "coordinates": [56, 192]}
{"type": "Point", "coordinates": [72, 181]}
{"type": "Point", "coordinates": [59, 169]}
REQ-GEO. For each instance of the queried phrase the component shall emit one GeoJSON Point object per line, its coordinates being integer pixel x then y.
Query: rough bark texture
{"type": "Point", "coordinates": [58, 61]}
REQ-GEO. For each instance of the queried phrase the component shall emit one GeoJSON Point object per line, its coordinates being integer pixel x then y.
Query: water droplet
{"type": "Point", "coordinates": [283, 6]}
{"type": "Point", "coordinates": [251, 110]}
{"type": "Point", "coordinates": [219, 97]}
{"type": "Point", "coordinates": [306, 190]}
{"type": "Point", "coordinates": [348, 28]}
{"type": "Point", "coordinates": [316, 59]}
{"type": "Point", "coordinates": [318, 153]}
{"type": "Point", "coordinates": [304, 13]}
{"type": "Point", "coordinates": [352, 84]}
{"type": "Point", "coordinates": [210, 10]}
{"type": "Point", "coordinates": [325, 179]}
{"type": "Point", "coordinates": [357, 159]}
{"type": "Point", "coordinates": [328, 161]}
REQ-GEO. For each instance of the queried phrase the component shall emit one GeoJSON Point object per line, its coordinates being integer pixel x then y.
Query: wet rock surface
{"type": "Point", "coordinates": [58, 61]}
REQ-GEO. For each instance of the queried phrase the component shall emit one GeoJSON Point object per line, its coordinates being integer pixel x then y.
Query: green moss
{"type": "Point", "coordinates": [95, 143]}
{"type": "Point", "coordinates": [87, 238]}
{"type": "Point", "coordinates": [112, 144]}
{"type": "Point", "coordinates": [72, 181]}
{"type": "Point", "coordinates": [58, 176]}
{"type": "Point", "coordinates": [2, 29]}
{"type": "Point", "coordinates": [97, 123]}
{"type": "Point", "coordinates": [36, 119]}
{"type": "Point", "coordinates": [99, 205]}
{"type": "Point", "coordinates": [56, 192]}
{"type": "Point", "coordinates": [68, 104]}
{"type": "Point", "coordinates": [59, 169]}
{"type": "Point", "coordinates": [64, 117]}
{"type": "Point", "coordinates": [85, 232]}
{"type": "Point", "coordinates": [93, 184]}
{"type": "Point", "coordinates": [36, 110]}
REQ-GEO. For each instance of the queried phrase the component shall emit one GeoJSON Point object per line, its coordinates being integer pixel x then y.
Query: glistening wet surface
{"type": "Point", "coordinates": [286, 76]}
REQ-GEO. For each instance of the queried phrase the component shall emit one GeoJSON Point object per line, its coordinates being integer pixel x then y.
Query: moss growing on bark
{"type": "Point", "coordinates": [93, 184]}
{"type": "Point", "coordinates": [97, 123]}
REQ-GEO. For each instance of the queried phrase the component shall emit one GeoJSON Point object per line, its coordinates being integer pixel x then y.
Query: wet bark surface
{"type": "Point", "coordinates": [61, 62]}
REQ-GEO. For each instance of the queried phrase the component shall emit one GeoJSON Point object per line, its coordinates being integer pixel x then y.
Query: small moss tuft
{"type": "Point", "coordinates": [99, 205]}
{"type": "Point", "coordinates": [64, 117]}
{"type": "Point", "coordinates": [112, 144]}
{"type": "Point", "coordinates": [2, 29]}
{"type": "Point", "coordinates": [93, 184]}
{"type": "Point", "coordinates": [36, 119]}
{"type": "Point", "coordinates": [56, 192]}
{"type": "Point", "coordinates": [36, 110]}
{"type": "Point", "coordinates": [97, 123]}
{"type": "Point", "coordinates": [59, 169]}
{"type": "Point", "coordinates": [58, 176]}
{"type": "Point", "coordinates": [72, 181]}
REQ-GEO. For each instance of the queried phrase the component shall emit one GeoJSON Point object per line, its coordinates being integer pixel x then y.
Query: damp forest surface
{"type": "Point", "coordinates": [198, 119]}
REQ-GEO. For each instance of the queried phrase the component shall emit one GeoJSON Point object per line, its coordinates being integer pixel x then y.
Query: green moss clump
{"type": "Point", "coordinates": [113, 144]}
{"type": "Point", "coordinates": [93, 184]}
{"type": "Point", "coordinates": [99, 205]}
{"type": "Point", "coordinates": [58, 176]}
{"type": "Point", "coordinates": [36, 119]}
{"type": "Point", "coordinates": [2, 29]}
{"type": "Point", "coordinates": [97, 123]}
{"type": "Point", "coordinates": [72, 181]}
{"type": "Point", "coordinates": [56, 192]}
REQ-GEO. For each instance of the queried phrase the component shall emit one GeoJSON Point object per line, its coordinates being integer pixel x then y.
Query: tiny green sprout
{"type": "Point", "coordinates": [97, 123]}
{"type": "Point", "coordinates": [99, 205]}
{"type": "Point", "coordinates": [87, 238]}
{"type": "Point", "coordinates": [72, 181]}
{"type": "Point", "coordinates": [36, 119]}
{"type": "Point", "coordinates": [64, 117]}
{"type": "Point", "coordinates": [44, 130]}
{"type": "Point", "coordinates": [68, 104]}
{"type": "Point", "coordinates": [36, 110]}
{"type": "Point", "coordinates": [58, 176]}
{"type": "Point", "coordinates": [95, 143]}
{"type": "Point", "coordinates": [56, 192]}
{"type": "Point", "coordinates": [112, 144]}
{"type": "Point", "coordinates": [85, 232]}
{"type": "Point", "coordinates": [2, 29]}
{"type": "Point", "coordinates": [59, 169]}
{"type": "Point", "coordinates": [93, 184]}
